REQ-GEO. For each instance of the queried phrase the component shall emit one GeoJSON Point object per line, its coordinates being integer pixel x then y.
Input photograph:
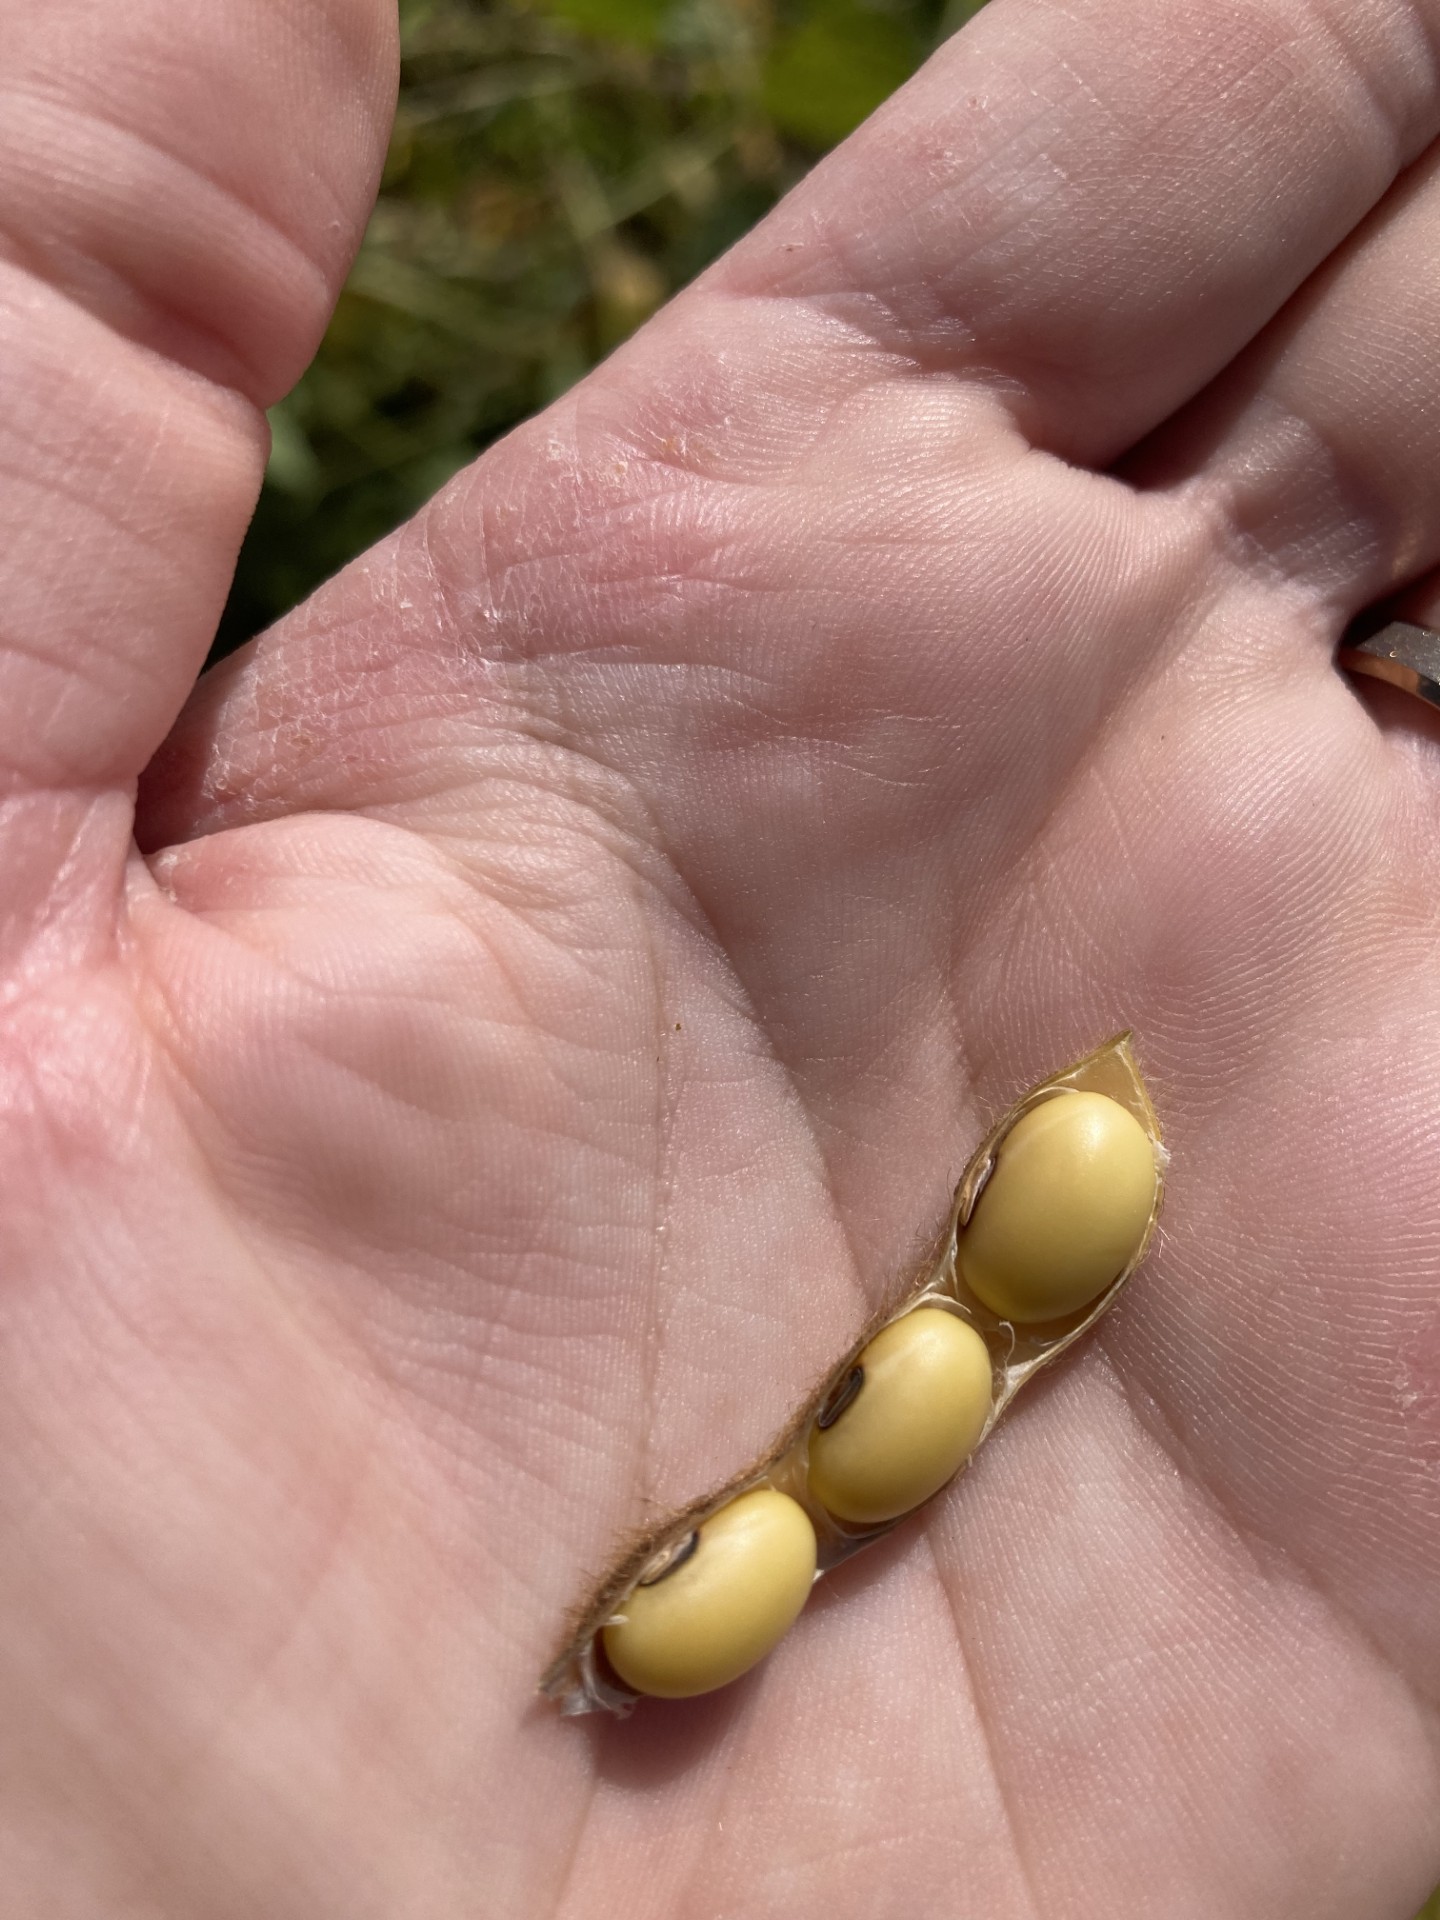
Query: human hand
{"type": "Point", "coordinates": [574, 955]}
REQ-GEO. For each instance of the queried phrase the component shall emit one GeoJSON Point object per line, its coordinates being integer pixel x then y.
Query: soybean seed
{"type": "Point", "coordinates": [1064, 1211]}
{"type": "Point", "coordinates": [718, 1607]}
{"type": "Point", "coordinates": [921, 1405]}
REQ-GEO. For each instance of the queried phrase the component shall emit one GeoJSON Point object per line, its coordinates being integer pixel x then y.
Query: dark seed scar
{"type": "Point", "coordinates": [839, 1398]}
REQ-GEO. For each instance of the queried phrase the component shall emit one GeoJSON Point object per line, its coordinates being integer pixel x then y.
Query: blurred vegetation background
{"type": "Point", "coordinates": [558, 169]}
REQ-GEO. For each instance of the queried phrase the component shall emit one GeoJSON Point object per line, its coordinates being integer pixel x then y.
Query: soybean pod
{"type": "Point", "coordinates": [1052, 1216]}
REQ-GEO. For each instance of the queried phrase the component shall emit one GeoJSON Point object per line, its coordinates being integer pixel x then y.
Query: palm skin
{"type": "Point", "coordinates": [565, 966]}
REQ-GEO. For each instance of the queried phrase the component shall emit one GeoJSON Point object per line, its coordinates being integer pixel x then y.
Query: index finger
{"type": "Point", "coordinates": [1097, 204]}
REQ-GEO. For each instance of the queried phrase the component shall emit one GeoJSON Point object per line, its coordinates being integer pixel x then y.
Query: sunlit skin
{"type": "Point", "coordinates": [569, 962]}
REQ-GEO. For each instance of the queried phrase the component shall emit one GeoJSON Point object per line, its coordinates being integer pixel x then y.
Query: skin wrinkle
{"type": "Point", "coordinates": [1244, 1065]}
{"type": "Point", "coordinates": [64, 904]}
{"type": "Point", "coordinates": [566, 1874]}
{"type": "Point", "coordinates": [704, 924]}
{"type": "Point", "coordinates": [165, 1033]}
{"type": "Point", "coordinates": [894, 116]}
{"type": "Point", "coordinates": [151, 142]}
{"type": "Point", "coordinates": [61, 742]}
{"type": "Point", "coordinates": [1253, 1549]}
{"type": "Point", "coordinates": [1092, 752]}
{"type": "Point", "coordinates": [903, 335]}
{"type": "Point", "coordinates": [92, 503]}
{"type": "Point", "coordinates": [1409, 138]}
{"type": "Point", "coordinates": [141, 1336]}
{"type": "Point", "coordinates": [494, 1320]}
{"type": "Point", "coordinates": [1033, 1905]}
{"type": "Point", "coordinates": [1153, 1420]}
{"type": "Point", "coordinates": [770, 1050]}
{"type": "Point", "coordinates": [228, 413]}
{"type": "Point", "coordinates": [449, 868]}
{"type": "Point", "coordinates": [697, 456]}
{"type": "Point", "coordinates": [1056, 801]}
{"type": "Point", "coordinates": [476, 1353]}
{"type": "Point", "coordinates": [280, 1297]}
{"type": "Point", "coordinates": [31, 1091]}
{"type": "Point", "coordinates": [289, 1627]}
{"type": "Point", "coordinates": [302, 264]}
{"type": "Point", "coordinates": [330, 1352]}
{"type": "Point", "coordinates": [1244, 501]}
{"type": "Point", "coordinates": [553, 734]}
{"type": "Point", "coordinates": [188, 344]}
{"type": "Point", "coordinates": [652, 465]}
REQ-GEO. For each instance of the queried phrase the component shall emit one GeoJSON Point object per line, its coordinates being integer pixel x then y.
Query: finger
{"type": "Point", "coordinates": [182, 188]}
{"type": "Point", "coordinates": [1095, 205]}
{"type": "Point", "coordinates": [1320, 448]}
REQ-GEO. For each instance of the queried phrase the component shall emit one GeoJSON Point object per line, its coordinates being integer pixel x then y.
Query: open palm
{"type": "Point", "coordinates": [568, 963]}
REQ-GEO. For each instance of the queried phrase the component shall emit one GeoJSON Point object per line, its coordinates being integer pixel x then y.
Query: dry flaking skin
{"type": "Point", "coordinates": [1053, 1215]}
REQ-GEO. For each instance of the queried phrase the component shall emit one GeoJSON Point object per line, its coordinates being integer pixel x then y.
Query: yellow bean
{"type": "Point", "coordinates": [1064, 1210]}
{"type": "Point", "coordinates": [721, 1603]}
{"type": "Point", "coordinates": [908, 1424]}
